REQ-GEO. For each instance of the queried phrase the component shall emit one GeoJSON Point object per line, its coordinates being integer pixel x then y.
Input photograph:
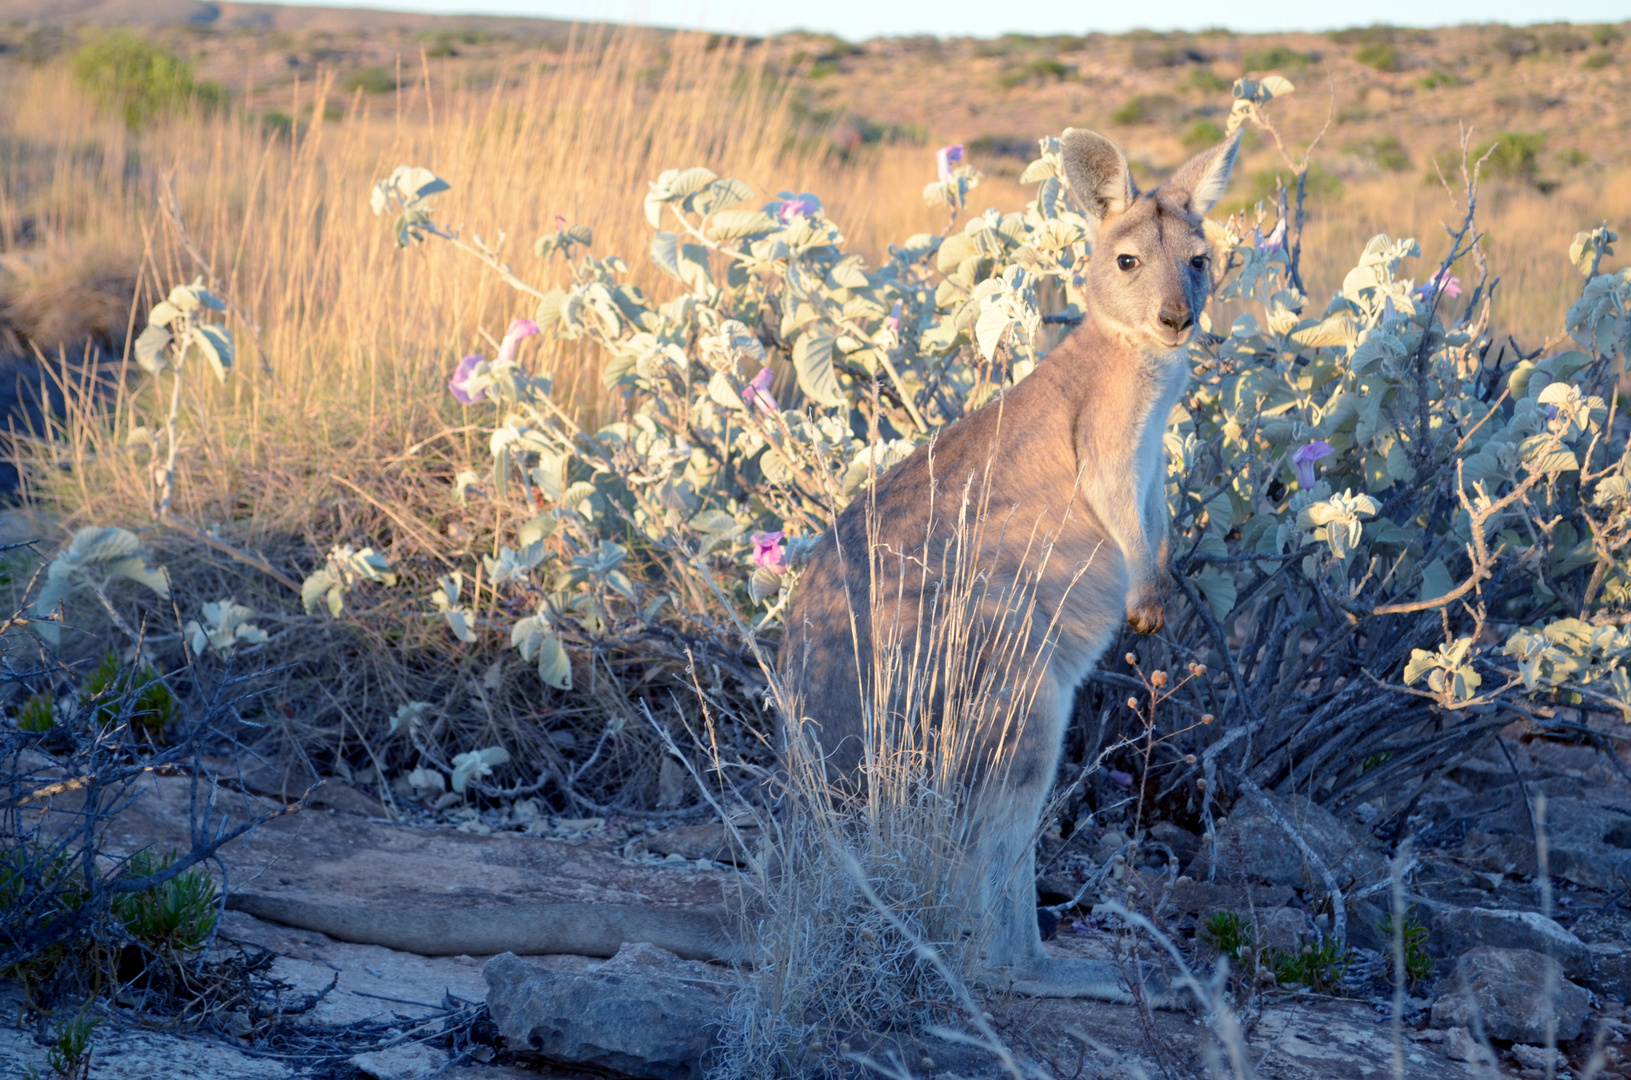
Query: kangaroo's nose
{"type": "Point", "coordinates": [1176, 319]}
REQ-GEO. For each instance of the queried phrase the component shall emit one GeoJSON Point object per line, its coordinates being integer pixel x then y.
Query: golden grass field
{"type": "Point", "coordinates": [337, 426]}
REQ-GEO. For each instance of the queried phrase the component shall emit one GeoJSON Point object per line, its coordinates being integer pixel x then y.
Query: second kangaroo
{"type": "Point", "coordinates": [1072, 459]}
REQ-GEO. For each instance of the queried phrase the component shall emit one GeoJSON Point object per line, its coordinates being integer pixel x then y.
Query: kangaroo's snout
{"type": "Point", "coordinates": [1177, 319]}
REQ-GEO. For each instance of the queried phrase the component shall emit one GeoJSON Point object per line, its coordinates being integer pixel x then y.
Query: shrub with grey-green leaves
{"type": "Point", "coordinates": [1392, 533]}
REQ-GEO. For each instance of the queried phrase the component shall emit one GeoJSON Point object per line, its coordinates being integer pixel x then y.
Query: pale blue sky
{"type": "Point", "coordinates": [861, 19]}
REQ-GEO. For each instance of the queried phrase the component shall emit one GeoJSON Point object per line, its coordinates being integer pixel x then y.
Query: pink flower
{"type": "Point", "coordinates": [519, 330]}
{"type": "Point", "coordinates": [802, 206]}
{"type": "Point", "coordinates": [893, 321]}
{"type": "Point", "coordinates": [948, 158]}
{"type": "Point", "coordinates": [1122, 779]}
{"type": "Point", "coordinates": [461, 380]}
{"type": "Point", "coordinates": [768, 551]}
{"type": "Point", "coordinates": [1305, 456]}
{"type": "Point", "coordinates": [1444, 283]}
{"type": "Point", "coordinates": [560, 222]}
{"type": "Point", "coordinates": [758, 393]}
{"type": "Point", "coordinates": [1275, 240]}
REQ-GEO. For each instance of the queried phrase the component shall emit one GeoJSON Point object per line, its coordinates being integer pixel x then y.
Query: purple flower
{"type": "Point", "coordinates": [1551, 412]}
{"type": "Point", "coordinates": [948, 158]}
{"type": "Point", "coordinates": [519, 330]}
{"type": "Point", "coordinates": [768, 551]}
{"type": "Point", "coordinates": [1305, 456]}
{"type": "Point", "coordinates": [1122, 779]}
{"type": "Point", "coordinates": [461, 380]}
{"type": "Point", "coordinates": [803, 206]}
{"type": "Point", "coordinates": [1275, 240]}
{"type": "Point", "coordinates": [758, 393]}
{"type": "Point", "coordinates": [1446, 285]}
{"type": "Point", "coordinates": [893, 321]}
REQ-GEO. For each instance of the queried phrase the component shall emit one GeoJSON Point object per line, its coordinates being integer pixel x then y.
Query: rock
{"type": "Point", "coordinates": [1251, 844]}
{"type": "Point", "coordinates": [411, 1061]}
{"type": "Point", "coordinates": [1205, 897]}
{"type": "Point", "coordinates": [1538, 1057]}
{"type": "Point", "coordinates": [1502, 991]}
{"type": "Point", "coordinates": [1454, 930]}
{"type": "Point", "coordinates": [1184, 844]}
{"type": "Point", "coordinates": [1459, 1045]}
{"type": "Point", "coordinates": [1588, 840]}
{"type": "Point", "coordinates": [1610, 970]}
{"type": "Point", "coordinates": [1283, 930]}
{"type": "Point", "coordinates": [633, 1020]}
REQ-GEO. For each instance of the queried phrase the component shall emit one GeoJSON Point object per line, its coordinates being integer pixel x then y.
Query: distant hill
{"type": "Point", "coordinates": [266, 17]}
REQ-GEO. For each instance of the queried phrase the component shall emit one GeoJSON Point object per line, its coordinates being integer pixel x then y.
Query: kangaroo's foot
{"type": "Point", "coordinates": [1074, 977]}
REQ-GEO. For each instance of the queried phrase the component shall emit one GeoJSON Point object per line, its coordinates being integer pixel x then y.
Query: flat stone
{"type": "Point", "coordinates": [1251, 844]}
{"type": "Point", "coordinates": [633, 1020]}
{"type": "Point", "coordinates": [1454, 930]}
{"type": "Point", "coordinates": [1503, 992]}
{"type": "Point", "coordinates": [412, 1061]}
{"type": "Point", "coordinates": [433, 891]}
{"type": "Point", "coordinates": [1610, 970]}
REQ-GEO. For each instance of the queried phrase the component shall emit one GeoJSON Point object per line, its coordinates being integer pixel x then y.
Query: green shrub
{"type": "Point", "coordinates": [1276, 58]}
{"type": "Point", "coordinates": [1605, 34]}
{"type": "Point", "coordinates": [1043, 69]}
{"type": "Point", "coordinates": [1380, 55]}
{"type": "Point", "coordinates": [113, 688]}
{"type": "Point", "coordinates": [1513, 155]}
{"type": "Point", "coordinates": [178, 915]}
{"type": "Point", "coordinates": [1207, 80]}
{"type": "Point", "coordinates": [1438, 78]}
{"type": "Point", "coordinates": [1574, 157]}
{"type": "Point", "coordinates": [139, 80]}
{"type": "Point", "coordinates": [1599, 60]}
{"type": "Point", "coordinates": [1386, 150]}
{"type": "Point", "coordinates": [1147, 109]}
{"type": "Point", "coordinates": [1321, 184]}
{"type": "Point", "coordinates": [1203, 133]}
{"type": "Point", "coordinates": [370, 80]}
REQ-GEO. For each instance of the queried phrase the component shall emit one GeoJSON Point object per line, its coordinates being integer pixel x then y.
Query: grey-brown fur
{"type": "Point", "coordinates": [1070, 468]}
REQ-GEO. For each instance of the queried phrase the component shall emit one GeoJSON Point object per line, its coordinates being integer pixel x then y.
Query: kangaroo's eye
{"type": "Point", "coordinates": [1198, 262]}
{"type": "Point", "coordinates": [1126, 262]}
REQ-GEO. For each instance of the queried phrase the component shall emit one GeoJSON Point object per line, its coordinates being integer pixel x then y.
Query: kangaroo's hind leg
{"type": "Point", "coordinates": [1007, 810]}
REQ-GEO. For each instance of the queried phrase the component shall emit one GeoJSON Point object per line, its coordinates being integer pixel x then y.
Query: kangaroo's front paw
{"type": "Point", "coordinates": [1146, 618]}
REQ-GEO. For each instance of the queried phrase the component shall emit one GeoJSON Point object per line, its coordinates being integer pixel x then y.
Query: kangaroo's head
{"type": "Point", "coordinates": [1149, 276]}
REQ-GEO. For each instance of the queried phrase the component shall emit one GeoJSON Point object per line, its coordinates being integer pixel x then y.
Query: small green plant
{"type": "Point", "coordinates": [70, 1058]}
{"type": "Point", "coordinates": [370, 80]}
{"type": "Point", "coordinates": [1604, 34]}
{"type": "Point", "coordinates": [1418, 962]}
{"type": "Point", "coordinates": [178, 915]}
{"type": "Point", "coordinates": [139, 80]}
{"type": "Point", "coordinates": [1380, 55]}
{"type": "Point", "coordinates": [1437, 79]}
{"type": "Point", "coordinates": [1574, 157]}
{"type": "Point", "coordinates": [1226, 932]}
{"type": "Point", "coordinates": [1276, 58]}
{"type": "Point", "coordinates": [111, 684]}
{"type": "Point", "coordinates": [1316, 965]}
{"type": "Point", "coordinates": [1203, 133]}
{"type": "Point", "coordinates": [38, 714]}
{"type": "Point", "coordinates": [1599, 60]}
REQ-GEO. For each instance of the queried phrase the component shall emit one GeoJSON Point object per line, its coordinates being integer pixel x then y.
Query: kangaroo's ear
{"type": "Point", "coordinates": [1203, 177]}
{"type": "Point", "coordinates": [1097, 172]}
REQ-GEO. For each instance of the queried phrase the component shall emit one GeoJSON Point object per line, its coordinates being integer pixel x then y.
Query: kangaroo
{"type": "Point", "coordinates": [1074, 451]}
